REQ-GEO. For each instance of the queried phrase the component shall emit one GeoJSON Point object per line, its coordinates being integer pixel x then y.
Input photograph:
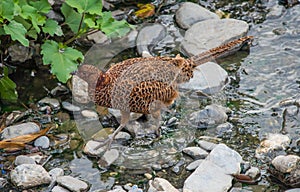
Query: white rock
{"type": "Point", "coordinates": [54, 173]}
{"type": "Point", "coordinates": [72, 183]}
{"type": "Point", "coordinates": [195, 152]}
{"type": "Point", "coordinates": [29, 175]}
{"type": "Point", "coordinates": [190, 13]}
{"type": "Point", "coordinates": [42, 142]}
{"type": "Point", "coordinates": [208, 146]}
{"type": "Point", "coordinates": [209, 78]}
{"type": "Point", "coordinates": [90, 146]}
{"type": "Point", "coordinates": [161, 185]}
{"type": "Point", "coordinates": [211, 33]}
{"type": "Point", "coordinates": [89, 114]}
{"type": "Point", "coordinates": [23, 159]}
{"type": "Point", "coordinates": [80, 90]}
{"type": "Point", "coordinates": [110, 156]}
{"type": "Point", "coordinates": [286, 164]}
{"type": "Point", "coordinates": [193, 165]}
{"type": "Point", "coordinates": [20, 129]}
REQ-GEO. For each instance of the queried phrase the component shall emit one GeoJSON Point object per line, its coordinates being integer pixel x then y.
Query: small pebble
{"type": "Point", "coordinates": [193, 165]}
{"type": "Point", "coordinates": [22, 159]}
{"type": "Point", "coordinates": [72, 183]}
{"type": "Point", "coordinates": [148, 176]}
{"type": "Point", "coordinates": [195, 152]}
{"type": "Point", "coordinates": [89, 114]}
{"type": "Point", "coordinates": [70, 107]}
{"type": "Point", "coordinates": [42, 142]}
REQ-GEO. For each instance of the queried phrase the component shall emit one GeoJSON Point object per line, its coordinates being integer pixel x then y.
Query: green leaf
{"type": "Point", "coordinates": [29, 12]}
{"type": "Point", "coordinates": [52, 28]}
{"type": "Point", "coordinates": [7, 9]}
{"type": "Point", "coordinates": [7, 87]}
{"type": "Point", "coordinates": [112, 27]}
{"type": "Point", "coordinates": [90, 22]}
{"type": "Point", "coordinates": [17, 32]}
{"type": "Point", "coordinates": [86, 6]}
{"type": "Point", "coordinates": [63, 60]}
{"type": "Point", "coordinates": [72, 18]}
{"type": "Point", "coordinates": [41, 6]}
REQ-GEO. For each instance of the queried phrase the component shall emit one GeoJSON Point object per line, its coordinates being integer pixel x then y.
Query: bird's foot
{"type": "Point", "coordinates": [107, 142]}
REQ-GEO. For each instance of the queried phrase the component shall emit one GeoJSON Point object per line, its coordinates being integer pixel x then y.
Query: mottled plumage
{"type": "Point", "coordinates": [145, 85]}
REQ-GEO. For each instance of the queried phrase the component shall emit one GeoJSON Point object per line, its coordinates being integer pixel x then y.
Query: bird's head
{"type": "Point", "coordinates": [88, 73]}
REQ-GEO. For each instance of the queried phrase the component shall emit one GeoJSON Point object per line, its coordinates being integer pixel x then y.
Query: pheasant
{"type": "Point", "coordinates": [146, 85]}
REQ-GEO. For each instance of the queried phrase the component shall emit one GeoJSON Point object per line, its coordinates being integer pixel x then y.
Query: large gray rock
{"type": "Point", "coordinates": [211, 33]}
{"type": "Point", "coordinates": [29, 175]}
{"type": "Point", "coordinates": [209, 78]}
{"type": "Point", "coordinates": [19, 130]}
{"type": "Point", "coordinates": [214, 173]}
{"type": "Point", "coordinates": [190, 13]}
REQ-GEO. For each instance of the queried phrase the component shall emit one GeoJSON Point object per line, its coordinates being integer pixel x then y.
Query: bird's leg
{"type": "Point", "coordinates": [155, 108]}
{"type": "Point", "coordinates": [125, 116]}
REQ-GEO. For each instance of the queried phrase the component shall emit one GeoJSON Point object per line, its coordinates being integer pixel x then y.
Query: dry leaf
{"type": "Point", "coordinates": [145, 10]}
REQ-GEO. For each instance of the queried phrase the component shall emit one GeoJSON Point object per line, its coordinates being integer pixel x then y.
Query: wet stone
{"type": "Point", "coordinates": [193, 165]}
{"type": "Point", "coordinates": [209, 78]}
{"type": "Point", "coordinates": [89, 114]}
{"type": "Point", "coordinates": [109, 157]}
{"type": "Point", "coordinates": [54, 103]}
{"type": "Point", "coordinates": [206, 145]}
{"type": "Point", "coordinates": [190, 13]}
{"type": "Point", "coordinates": [286, 164]}
{"type": "Point", "coordinates": [72, 183]}
{"type": "Point", "coordinates": [195, 152]}
{"type": "Point", "coordinates": [70, 107]}
{"type": "Point", "coordinates": [19, 130]}
{"type": "Point", "coordinates": [211, 115]}
{"type": "Point", "coordinates": [42, 142]}
{"type": "Point", "coordinates": [203, 35]}
{"type": "Point", "coordinates": [29, 175]}
{"type": "Point", "coordinates": [23, 159]}
{"type": "Point", "coordinates": [59, 189]}
{"type": "Point", "coordinates": [160, 184]}
{"type": "Point", "coordinates": [56, 172]}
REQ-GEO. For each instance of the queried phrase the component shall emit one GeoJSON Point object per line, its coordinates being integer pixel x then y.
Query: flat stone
{"type": "Point", "coordinates": [23, 159]}
{"type": "Point", "coordinates": [29, 175]}
{"type": "Point", "coordinates": [70, 107]}
{"type": "Point", "coordinates": [54, 103]}
{"type": "Point", "coordinates": [89, 114]}
{"type": "Point", "coordinates": [209, 78]}
{"type": "Point", "coordinates": [213, 174]}
{"type": "Point", "coordinates": [42, 142]}
{"type": "Point", "coordinates": [72, 183]}
{"type": "Point", "coordinates": [211, 33]}
{"type": "Point", "coordinates": [211, 115]}
{"type": "Point", "coordinates": [109, 157]}
{"type": "Point", "coordinates": [161, 185]}
{"type": "Point", "coordinates": [90, 146]}
{"type": "Point", "coordinates": [19, 130]}
{"type": "Point", "coordinates": [195, 152]}
{"type": "Point", "coordinates": [193, 165]}
{"type": "Point", "coordinates": [123, 136]}
{"type": "Point", "coordinates": [208, 146]}
{"type": "Point", "coordinates": [59, 189]}
{"type": "Point", "coordinates": [190, 13]}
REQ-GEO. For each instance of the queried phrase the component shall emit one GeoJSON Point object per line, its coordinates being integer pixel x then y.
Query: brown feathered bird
{"type": "Point", "coordinates": [146, 85]}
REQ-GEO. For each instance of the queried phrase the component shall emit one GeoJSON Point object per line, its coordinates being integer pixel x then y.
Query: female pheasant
{"type": "Point", "coordinates": [146, 85]}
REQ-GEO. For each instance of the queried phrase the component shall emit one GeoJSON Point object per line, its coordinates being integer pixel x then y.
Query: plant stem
{"type": "Point", "coordinates": [82, 17]}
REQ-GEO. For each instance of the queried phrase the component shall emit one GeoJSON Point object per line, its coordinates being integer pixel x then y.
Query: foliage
{"type": "Point", "coordinates": [26, 20]}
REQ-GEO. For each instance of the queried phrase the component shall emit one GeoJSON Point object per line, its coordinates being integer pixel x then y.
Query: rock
{"type": "Point", "coordinates": [176, 168]}
{"type": "Point", "coordinates": [211, 115]}
{"type": "Point", "coordinates": [161, 185]}
{"type": "Point", "coordinates": [70, 107]}
{"type": "Point", "coordinates": [208, 146]}
{"type": "Point", "coordinates": [56, 172]}
{"type": "Point", "coordinates": [59, 189]}
{"type": "Point", "coordinates": [148, 176]}
{"type": "Point", "coordinates": [3, 182]}
{"type": "Point", "coordinates": [23, 159]}
{"type": "Point", "coordinates": [286, 164]}
{"type": "Point", "coordinates": [117, 189]}
{"type": "Point", "coordinates": [72, 183]}
{"type": "Point", "coordinates": [89, 114]}
{"type": "Point", "coordinates": [275, 12]}
{"type": "Point", "coordinates": [273, 142]}
{"type": "Point", "coordinates": [29, 175]}
{"type": "Point", "coordinates": [193, 165]}
{"type": "Point", "coordinates": [148, 36]}
{"type": "Point", "coordinates": [195, 152]}
{"type": "Point", "coordinates": [109, 157]}
{"type": "Point", "coordinates": [80, 90]}
{"type": "Point", "coordinates": [55, 16]}
{"type": "Point", "coordinates": [219, 164]}
{"type": "Point", "coordinates": [224, 129]}
{"type": "Point", "coordinates": [253, 172]}
{"type": "Point", "coordinates": [42, 142]}
{"type": "Point", "coordinates": [117, 114]}
{"type": "Point", "coordinates": [209, 78]}
{"type": "Point", "coordinates": [54, 103]}
{"type": "Point", "coordinates": [211, 33]}
{"type": "Point", "coordinates": [20, 53]}
{"type": "Point", "coordinates": [123, 136]}
{"type": "Point", "coordinates": [293, 190]}
{"type": "Point", "coordinates": [19, 130]}
{"type": "Point", "coordinates": [98, 37]}
{"type": "Point", "coordinates": [190, 13]}
{"type": "Point", "coordinates": [90, 146]}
